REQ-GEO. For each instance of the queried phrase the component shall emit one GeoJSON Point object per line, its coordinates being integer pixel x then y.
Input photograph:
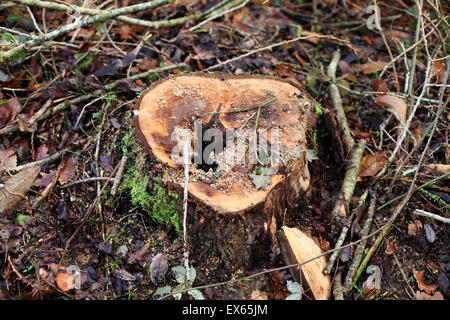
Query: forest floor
{"type": "Point", "coordinates": [66, 104]}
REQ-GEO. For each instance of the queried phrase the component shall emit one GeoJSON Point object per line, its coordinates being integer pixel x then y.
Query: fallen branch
{"type": "Point", "coordinates": [360, 249]}
{"type": "Point", "coordinates": [328, 37]}
{"type": "Point", "coordinates": [344, 231]}
{"type": "Point", "coordinates": [49, 159]}
{"type": "Point", "coordinates": [13, 127]}
{"type": "Point", "coordinates": [431, 215]}
{"type": "Point", "coordinates": [337, 102]}
{"type": "Point", "coordinates": [102, 17]}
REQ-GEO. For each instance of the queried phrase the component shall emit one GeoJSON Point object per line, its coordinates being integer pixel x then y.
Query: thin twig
{"type": "Point", "coordinates": [431, 215]}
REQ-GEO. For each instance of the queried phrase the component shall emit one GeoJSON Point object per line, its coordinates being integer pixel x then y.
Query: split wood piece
{"type": "Point", "coordinates": [231, 213]}
{"type": "Point", "coordinates": [297, 247]}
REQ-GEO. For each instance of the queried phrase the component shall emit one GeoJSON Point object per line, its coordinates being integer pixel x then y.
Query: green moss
{"type": "Point", "coordinates": [159, 204]}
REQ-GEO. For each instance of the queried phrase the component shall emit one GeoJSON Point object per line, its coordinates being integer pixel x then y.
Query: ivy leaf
{"type": "Point", "coordinates": [177, 296]}
{"type": "Point", "coordinates": [162, 291]}
{"type": "Point", "coordinates": [196, 294]}
{"type": "Point", "coordinates": [260, 181]}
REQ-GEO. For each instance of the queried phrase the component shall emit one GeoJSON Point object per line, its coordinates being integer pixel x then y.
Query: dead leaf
{"type": "Point", "coordinates": [438, 169]}
{"type": "Point", "coordinates": [8, 158]}
{"type": "Point", "coordinates": [68, 278]}
{"type": "Point", "coordinates": [68, 170]}
{"type": "Point", "coordinates": [158, 268]}
{"type": "Point", "coordinates": [124, 275]}
{"type": "Point", "coordinates": [420, 278]}
{"type": "Point", "coordinates": [372, 164]}
{"type": "Point", "coordinates": [394, 104]}
{"type": "Point", "coordinates": [423, 296]}
{"type": "Point", "coordinates": [372, 67]}
{"type": "Point", "coordinates": [391, 248]}
{"type": "Point", "coordinates": [438, 71]}
{"type": "Point", "coordinates": [345, 67]}
{"type": "Point", "coordinates": [41, 152]}
{"type": "Point", "coordinates": [429, 233]}
{"type": "Point", "coordinates": [138, 255]}
{"type": "Point", "coordinates": [5, 115]}
{"type": "Point", "coordinates": [379, 85]}
{"type": "Point", "coordinates": [258, 295]}
{"type": "Point", "coordinates": [414, 227]}
{"type": "Point", "coordinates": [16, 186]}
{"type": "Point", "coordinates": [14, 106]}
{"type": "Point", "coordinates": [46, 179]}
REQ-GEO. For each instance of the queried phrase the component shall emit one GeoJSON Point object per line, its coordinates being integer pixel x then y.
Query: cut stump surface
{"type": "Point", "coordinates": [181, 101]}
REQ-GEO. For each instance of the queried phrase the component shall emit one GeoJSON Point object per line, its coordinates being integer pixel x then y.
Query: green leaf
{"type": "Point", "coordinates": [162, 291]}
{"type": "Point", "coordinates": [8, 37]}
{"type": "Point", "coordinates": [180, 274]}
{"type": "Point", "coordinates": [260, 181]}
{"type": "Point", "coordinates": [177, 296]}
{"type": "Point", "coordinates": [294, 287]}
{"type": "Point", "coordinates": [294, 296]}
{"type": "Point", "coordinates": [21, 219]}
{"type": "Point", "coordinates": [196, 294]}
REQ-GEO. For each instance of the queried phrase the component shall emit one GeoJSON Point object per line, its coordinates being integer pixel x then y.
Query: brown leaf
{"type": "Point", "coordinates": [395, 104]}
{"type": "Point", "coordinates": [438, 169]}
{"type": "Point", "coordinates": [138, 255]}
{"type": "Point", "coordinates": [372, 67]}
{"type": "Point", "coordinates": [391, 248]}
{"type": "Point", "coordinates": [423, 296]}
{"type": "Point", "coordinates": [68, 170]}
{"type": "Point", "coordinates": [14, 106]}
{"type": "Point", "coordinates": [379, 85]}
{"type": "Point", "coordinates": [5, 115]}
{"type": "Point", "coordinates": [8, 158]}
{"type": "Point", "coordinates": [438, 71]}
{"type": "Point", "coordinates": [428, 288]}
{"type": "Point", "coordinates": [414, 227]}
{"type": "Point", "coordinates": [258, 295]}
{"type": "Point", "coordinates": [41, 152]}
{"type": "Point", "coordinates": [65, 279]}
{"type": "Point", "coordinates": [16, 186]}
{"type": "Point", "coordinates": [372, 164]}
{"type": "Point", "coordinates": [158, 268]}
{"type": "Point", "coordinates": [46, 179]}
{"type": "Point", "coordinates": [345, 67]}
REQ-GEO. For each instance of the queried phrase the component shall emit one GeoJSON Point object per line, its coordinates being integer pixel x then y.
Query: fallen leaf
{"type": "Point", "coordinates": [423, 296]}
{"type": "Point", "coordinates": [429, 233]}
{"type": "Point", "coordinates": [124, 275]}
{"type": "Point", "coordinates": [438, 169]}
{"type": "Point", "coordinates": [394, 104]}
{"type": "Point", "coordinates": [438, 71]}
{"type": "Point", "coordinates": [372, 164]}
{"type": "Point", "coordinates": [158, 268]}
{"type": "Point", "coordinates": [345, 254]}
{"type": "Point", "coordinates": [414, 227]}
{"type": "Point", "coordinates": [258, 295]}
{"type": "Point", "coordinates": [41, 152]}
{"type": "Point", "coordinates": [5, 115]}
{"type": "Point", "coordinates": [68, 278]}
{"type": "Point", "coordinates": [46, 179]}
{"type": "Point", "coordinates": [379, 85]}
{"type": "Point", "coordinates": [260, 181]}
{"type": "Point", "coordinates": [14, 106]}
{"type": "Point", "coordinates": [420, 278]}
{"type": "Point", "coordinates": [372, 67]}
{"type": "Point", "coordinates": [345, 67]}
{"type": "Point", "coordinates": [391, 248]}
{"type": "Point", "coordinates": [139, 254]}
{"type": "Point", "coordinates": [68, 170]}
{"type": "Point", "coordinates": [16, 186]}
{"type": "Point", "coordinates": [8, 158]}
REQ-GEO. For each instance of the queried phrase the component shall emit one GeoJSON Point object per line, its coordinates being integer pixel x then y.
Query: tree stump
{"type": "Point", "coordinates": [237, 192]}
